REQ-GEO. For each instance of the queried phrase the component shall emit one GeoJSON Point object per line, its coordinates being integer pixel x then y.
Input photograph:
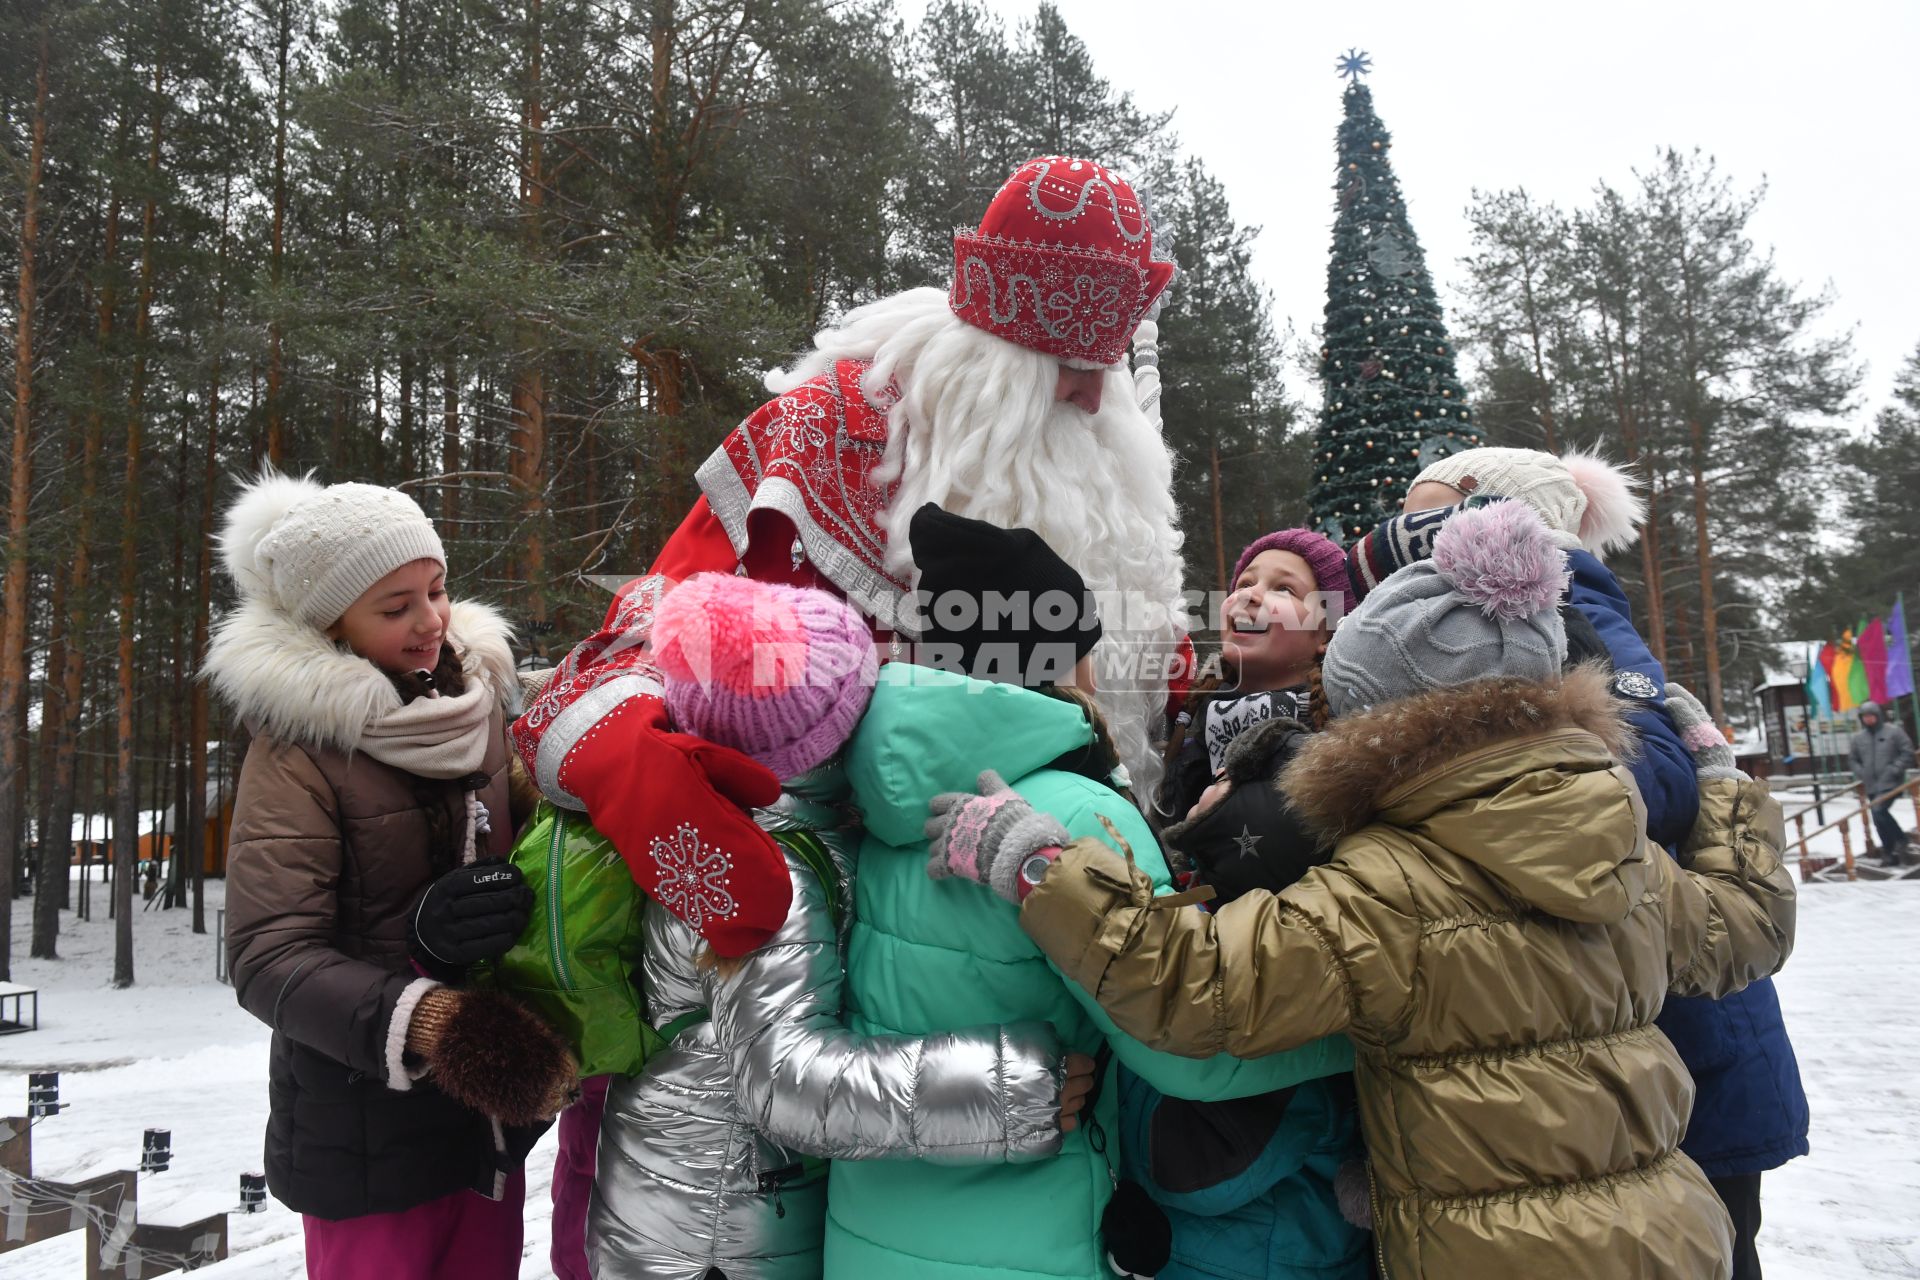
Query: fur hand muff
{"type": "Point", "coordinates": [489, 1053]}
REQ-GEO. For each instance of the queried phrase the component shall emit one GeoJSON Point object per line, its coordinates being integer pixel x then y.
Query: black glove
{"type": "Point", "coordinates": [1136, 1233]}
{"type": "Point", "coordinates": [476, 912]}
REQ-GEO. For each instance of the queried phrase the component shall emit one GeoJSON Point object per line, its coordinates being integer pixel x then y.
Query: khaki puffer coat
{"type": "Point", "coordinates": [329, 855]}
{"type": "Point", "coordinates": [1496, 935]}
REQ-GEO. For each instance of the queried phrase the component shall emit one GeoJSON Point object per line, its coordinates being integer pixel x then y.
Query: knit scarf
{"type": "Point", "coordinates": [442, 738]}
{"type": "Point", "coordinates": [434, 736]}
{"type": "Point", "coordinates": [1228, 718]}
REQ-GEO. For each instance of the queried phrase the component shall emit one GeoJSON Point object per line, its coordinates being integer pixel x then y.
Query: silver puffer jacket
{"type": "Point", "coordinates": [701, 1155]}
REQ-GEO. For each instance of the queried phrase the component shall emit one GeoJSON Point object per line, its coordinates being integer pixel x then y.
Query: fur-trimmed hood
{"type": "Point", "coordinates": [1522, 779]}
{"type": "Point", "coordinates": [287, 680]}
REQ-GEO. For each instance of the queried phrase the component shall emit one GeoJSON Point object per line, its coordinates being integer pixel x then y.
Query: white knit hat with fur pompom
{"type": "Point", "coordinates": [311, 550]}
{"type": "Point", "coordinates": [1586, 501]}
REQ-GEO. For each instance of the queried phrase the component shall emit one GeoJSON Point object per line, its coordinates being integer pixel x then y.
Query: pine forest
{"type": "Point", "coordinates": [529, 260]}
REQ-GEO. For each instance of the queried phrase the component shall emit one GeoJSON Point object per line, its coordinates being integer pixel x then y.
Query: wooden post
{"type": "Point", "coordinates": [1800, 829]}
{"type": "Point", "coordinates": [1913, 794]}
{"type": "Point", "coordinates": [1846, 847]}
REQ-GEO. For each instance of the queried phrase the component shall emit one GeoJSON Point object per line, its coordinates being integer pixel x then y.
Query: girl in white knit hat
{"type": "Point", "coordinates": [363, 878]}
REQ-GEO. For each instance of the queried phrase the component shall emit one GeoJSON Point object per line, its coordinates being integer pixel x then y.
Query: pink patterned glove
{"type": "Point", "coordinates": [986, 837]}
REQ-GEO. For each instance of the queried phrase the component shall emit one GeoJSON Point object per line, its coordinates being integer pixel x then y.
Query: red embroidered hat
{"type": "Point", "coordinates": [1062, 263]}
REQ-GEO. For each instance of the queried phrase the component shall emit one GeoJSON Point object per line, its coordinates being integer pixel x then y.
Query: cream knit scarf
{"type": "Point", "coordinates": [443, 738]}
{"type": "Point", "coordinates": [434, 736]}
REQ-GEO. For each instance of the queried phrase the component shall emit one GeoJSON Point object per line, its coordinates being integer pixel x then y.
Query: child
{"type": "Point", "coordinates": [1494, 930]}
{"type": "Point", "coordinates": [927, 956]}
{"type": "Point", "coordinates": [1590, 509]}
{"type": "Point", "coordinates": [1750, 1109]}
{"type": "Point", "coordinates": [1274, 627]}
{"type": "Point", "coordinates": [373, 792]}
{"type": "Point", "coordinates": [1248, 1186]}
{"type": "Point", "coordinates": [707, 1156]}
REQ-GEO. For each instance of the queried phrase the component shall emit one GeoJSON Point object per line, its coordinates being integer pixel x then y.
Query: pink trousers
{"type": "Point", "coordinates": [573, 1172]}
{"type": "Point", "coordinates": [464, 1236]}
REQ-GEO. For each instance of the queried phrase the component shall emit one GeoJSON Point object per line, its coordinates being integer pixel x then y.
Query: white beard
{"type": "Point", "coordinates": [977, 430]}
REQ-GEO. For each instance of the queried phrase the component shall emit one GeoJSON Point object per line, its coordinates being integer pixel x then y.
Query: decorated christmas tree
{"type": "Point", "coordinates": [1390, 400]}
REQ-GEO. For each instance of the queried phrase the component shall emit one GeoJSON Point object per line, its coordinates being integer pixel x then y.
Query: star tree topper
{"type": "Point", "coordinates": [1354, 63]}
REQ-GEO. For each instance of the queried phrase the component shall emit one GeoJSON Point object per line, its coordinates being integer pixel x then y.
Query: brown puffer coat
{"type": "Point", "coordinates": [329, 854]}
{"type": "Point", "coordinates": [1496, 935]}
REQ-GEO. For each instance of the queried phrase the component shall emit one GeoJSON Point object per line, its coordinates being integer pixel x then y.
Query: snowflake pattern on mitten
{"type": "Point", "coordinates": [693, 877]}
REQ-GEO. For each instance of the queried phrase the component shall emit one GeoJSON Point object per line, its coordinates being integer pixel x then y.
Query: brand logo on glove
{"type": "Point", "coordinates": [492, 877]}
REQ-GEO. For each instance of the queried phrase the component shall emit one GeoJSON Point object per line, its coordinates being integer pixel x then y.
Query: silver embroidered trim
{"type": "Point", "coordinates": [1099, 180]}
{"type": "Point", "coordinates": [573, 722]}
{"type": "Point", "coordinates": [728, 497]}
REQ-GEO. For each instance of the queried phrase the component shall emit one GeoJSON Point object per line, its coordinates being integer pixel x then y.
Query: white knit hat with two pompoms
{"type": "Point", "coordinates": [1586, 501]}
{"type": "Point", "coordinates": [311, 550]}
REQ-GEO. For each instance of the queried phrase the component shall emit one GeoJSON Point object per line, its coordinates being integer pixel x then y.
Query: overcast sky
{"type": "Point", "coordinates": [1808, 96]}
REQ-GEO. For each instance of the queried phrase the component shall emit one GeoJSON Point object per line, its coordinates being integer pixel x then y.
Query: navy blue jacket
{"type": "Point", "coordinates": [1664, 769]}
{"type": "Point", "coordinates": [1749, 1110]}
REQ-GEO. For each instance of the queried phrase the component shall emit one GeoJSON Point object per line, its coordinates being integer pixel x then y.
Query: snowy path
{"type": "Point", "coordinates": [175, 1051]}
{"type": "Point", "coordinates": [1851, 994]}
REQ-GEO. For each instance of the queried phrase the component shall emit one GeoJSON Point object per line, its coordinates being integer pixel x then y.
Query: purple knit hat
{"type": "Point", "coordinates": [781, 674]}
{"type": "Point", "coordinates": [1325, 560]}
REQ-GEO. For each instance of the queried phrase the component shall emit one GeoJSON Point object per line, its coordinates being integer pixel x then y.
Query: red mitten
{"type": "Point", "coordinates": [675, 807]}
{"type": "Point", "coordinates": [738, 777]}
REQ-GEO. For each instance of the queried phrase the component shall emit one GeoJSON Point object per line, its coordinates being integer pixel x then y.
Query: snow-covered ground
{"type": "Point", "coordinates": [175, 1052]}
{"type": "Point", "coordinates": [1803, 815]}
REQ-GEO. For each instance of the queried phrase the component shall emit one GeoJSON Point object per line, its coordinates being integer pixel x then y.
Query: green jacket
{"type": "Point", "coordinates": [578, 960]}
{"type": "Point", "coordinates": [931, 955]}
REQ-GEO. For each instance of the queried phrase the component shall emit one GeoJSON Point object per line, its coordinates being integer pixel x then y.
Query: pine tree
{"type": "Point", "coordinates": [1885, 506]}
{"type": "Point", "coordinates": [1877, 553]}
{"type": "Point", "coordinates": [1391, 403]}
{"type": "Point", "coordinates": [1227, 413]}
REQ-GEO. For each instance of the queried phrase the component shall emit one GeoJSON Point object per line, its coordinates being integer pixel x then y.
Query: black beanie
{"type": "Point", "coordinates": [998, 604]}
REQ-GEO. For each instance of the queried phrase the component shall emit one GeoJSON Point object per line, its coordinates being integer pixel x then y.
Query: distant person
{"type": "Point", "coordinates": [1881, 754]}
{"type": "Point", "coordinates": [372, 807]}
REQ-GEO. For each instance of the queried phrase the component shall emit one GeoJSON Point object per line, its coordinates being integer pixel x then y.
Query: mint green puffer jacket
{"type": "Point", "coordinates": [934, 955]}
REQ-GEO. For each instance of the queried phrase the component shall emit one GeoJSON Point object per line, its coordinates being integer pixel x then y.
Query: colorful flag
{"type": "Point", "coordinates": [1830, 667]}
{"type": "Point", "coordinates": [1840, 671]}
{"type": "Point", "coordinates": [1873, 657]}
{"type": "Point", "coordinates": [1819, 692]}
{"type": "Point", "coordinates": [1899, 660]}
{"type": "Point", "coordinates": [1858, 691]}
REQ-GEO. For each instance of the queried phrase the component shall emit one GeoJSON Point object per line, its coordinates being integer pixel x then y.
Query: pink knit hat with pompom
{"type": "Point", "coordinates": [781, 674]}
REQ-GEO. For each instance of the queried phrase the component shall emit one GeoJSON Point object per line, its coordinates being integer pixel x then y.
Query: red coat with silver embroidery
{"type": "Point", "coordinates": [786, 498]}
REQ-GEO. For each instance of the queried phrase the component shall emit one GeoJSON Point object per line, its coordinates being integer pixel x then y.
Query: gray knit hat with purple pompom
{"type": "Point", "coordinates": [1487, 604]}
